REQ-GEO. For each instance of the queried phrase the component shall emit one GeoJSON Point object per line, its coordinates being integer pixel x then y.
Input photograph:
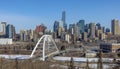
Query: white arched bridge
{"type": "Point", "coordinates": [45, 47]}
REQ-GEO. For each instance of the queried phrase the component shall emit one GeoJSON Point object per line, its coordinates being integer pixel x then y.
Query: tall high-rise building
{"type": "Point", "coordinates": [58, 28]}
{"type": "Point", "coordinates": [81, 26]}
{"type": "Point", "coordinates": [64, 17]}
{"type": "Point", "coordinates": [57, 24]}
{"type": "Point", "coordinates": [84, 36]}
{"type": "Point", "coordinates": [115, 27]}
{"type": "Point", "coordinates": [87, 29]}
{"type": "Point", "coordinates": [73, 29]}
{"type": "Point", "coordinates": [10, 31]}
{"type": "Point", "coordinates": [98, 26]}
{"type": "Point", "coordinates": [107, 30]}
{"type": "Point", "coordinates": [55, 27]}
{"type": "Point", "coordinates": [60, 24]}
{"type": "Point", "coordinates": [64, 20]}
{"type": "Point", "coordinates": [92, 30]}
{"type": "Point", "coordinates": [103, 29]}
{"type": "Point", "coordinates": [3, 29]}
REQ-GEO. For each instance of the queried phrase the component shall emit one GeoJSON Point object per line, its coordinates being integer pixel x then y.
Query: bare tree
{"type": "Point", "coordinates": [71, 66]}
{"type": "Point", "coordinates": [100, 65]}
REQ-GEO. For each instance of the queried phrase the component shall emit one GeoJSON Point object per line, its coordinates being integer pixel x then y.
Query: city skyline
{"type": "Point", "coordinates": [27, 14]}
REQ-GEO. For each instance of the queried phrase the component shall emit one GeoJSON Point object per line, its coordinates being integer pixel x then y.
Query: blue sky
{"type": "Point", "coordinates": [26, 14]}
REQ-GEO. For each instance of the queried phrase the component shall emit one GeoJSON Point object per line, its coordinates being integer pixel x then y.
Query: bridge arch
{"type": "Point", "coordinates": [45, 47]}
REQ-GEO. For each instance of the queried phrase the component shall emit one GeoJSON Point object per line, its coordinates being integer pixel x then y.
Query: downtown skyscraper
{"type": "Point", "coordinates": [92, 30]}
{"type": "Point", "coordinates": [64, 20]}
{"type": "Point", "coordinates": [2, 29]}
{"type": "Point", "coordinates": [81, 25]}
{"type": "Point", "coordinates": [10, 31]}
{"type": "Point", "coordinates": [115, 27]}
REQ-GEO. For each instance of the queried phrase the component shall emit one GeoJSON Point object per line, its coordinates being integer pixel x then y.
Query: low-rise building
{"type": "Point", "coordinates": [67, 38]}
{"type": "Point", "coordinates": [102, 36]}
{"type": "Point", "coordinates": [5, 41]}
{"type": "Point", "coordinates": [110, 47]}
{"type": "Point", "coordinates": [90, 54]}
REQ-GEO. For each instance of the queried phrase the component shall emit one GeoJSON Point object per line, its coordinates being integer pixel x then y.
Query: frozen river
{"type": "Point", "coordinates": [15, 56]}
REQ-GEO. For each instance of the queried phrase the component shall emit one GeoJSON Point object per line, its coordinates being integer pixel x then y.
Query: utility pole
{"type": "Point", "coordinates": [16, 62]}
{"type": "Point", "coordinates": [87, 65]}
{"type": "Point", "coordinates": [100, 64]}
{"type": "Point", "coordinates": [1, 63]}
{"type": "Point", "coordinates": [71, 66]}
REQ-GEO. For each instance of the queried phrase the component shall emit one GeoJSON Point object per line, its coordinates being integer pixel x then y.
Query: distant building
{"type": "Point", "coordinates": [10, 31]}
{"type": "Point", "coordinates": [110, 47]}
{"type": "Point", "coordinates": [60, 32]}
{"type": "Point", "coordinates": [3, 29]}
{"type": "Point", "coordinates": [54, 35]}
{"type": "Point", "coordinates": [102, 36]}
{"type": "Point", "coordinates": [5, 41]}
{"type": "Point", "coordinates": [60, 24]}
{"type": "Point", "coordinates": [56, 26]}
{"type": "Point", "coordinates": [27, 35]}
{"type": "Point", "coordinates": [73, 38]}
{"type": "Point", "coordinates": [98, 26]}
{"type": "Point", "coordinates": [73, 28]}
{"type": "Point", "coordinates": [38, 28]}
{"type": "Point", "coordinates": [31, 34]}
{"type": "Point", "coordinates": [90, 54]}
{"type": "Point", "coordinates": [107, 30]}
{"type": "Point", "coordinates": [92, 30]}
{"type": "Point", "coordinates": [64, 17]}
{"type": "Point", "coordinates": [98, 33]}
{"type": "Point", "coordinates": [24, 35]}
{"type": "Point", "coordinates": [103, 29]}
{"type": "Point", "coordinates": [115, 27]}
{"type": "Point", "coordinates": [87, 29]}
{"type": "Point", "coordinates": [67, 38]}
{"type": "Point", "coordinates": [84, 36]}
{"type": "Point", "coordinates": [81, 25]}
{"type": "Point", "coordinates": [41, 28]}
{"type": "Point", "coordinates": [64, 20]}
{"type": "Point", "coordinates": [111, 41]}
